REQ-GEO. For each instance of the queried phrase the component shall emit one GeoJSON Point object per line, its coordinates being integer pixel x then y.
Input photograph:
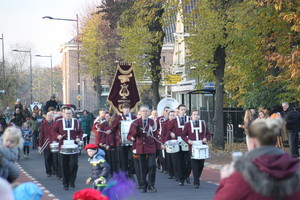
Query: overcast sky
{"type": "Point", "coordinates": [21, 22]}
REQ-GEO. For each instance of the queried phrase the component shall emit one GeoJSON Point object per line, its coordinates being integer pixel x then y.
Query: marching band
{"type": "Point", "coordinates": [135, 144]}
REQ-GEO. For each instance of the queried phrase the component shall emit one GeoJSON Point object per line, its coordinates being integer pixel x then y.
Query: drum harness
{"type": "Point", "coordinates": [198, 130]}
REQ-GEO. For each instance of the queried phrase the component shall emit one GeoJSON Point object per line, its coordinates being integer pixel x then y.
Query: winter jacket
{"type": "Point", "coordinates": [100, 168]}
{"type": "Point", "coordinates": [9, 169]}
{"type": "Point", "coordinates": [86, 124]}
{"type": "Point", "coordinates": [49, 104]}
{"type": "Point", "coordinates": [26, 113]}
{"type": "Point", "coordinates": [264, 173]}
{"type": "Point", "coordinates": [18, 119]}
{"type": "Point", "coordinates": [292, 119]}
{"type": "Point", "coordinates": [33, 124]}
{"type": "Point", "coordinates": [27, 134]}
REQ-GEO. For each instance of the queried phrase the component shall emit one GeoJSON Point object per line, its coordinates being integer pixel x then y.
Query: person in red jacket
{"type": "Point", "coordinates": [124, 147]}
{"type": "Point", "coordinates": [142, 131]}
{"type": "Point", "coordinates": [161, 161]}
{"type": "Point", "coordinates": [196, 130]}
{"type": "Point", "coordinates": [265, 172]}
{"type": "Point", "coordinates": [181, 159]}
{"type": "Point", "coordinates": [99, 127]}
{"type": "Point", "coordinates": [45, 136]}
{"type": "Point", "coordinates": [67, 128]}
{"type": "Point", "coordinates": [164, 129]}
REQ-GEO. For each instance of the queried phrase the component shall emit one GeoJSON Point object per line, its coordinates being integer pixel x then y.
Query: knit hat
{"type": "Point", "coordinates": [88, 194]}
{"type": "Point", "coordinates": [90, 146]}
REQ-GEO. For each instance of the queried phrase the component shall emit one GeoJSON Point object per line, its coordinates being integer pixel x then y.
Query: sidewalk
{"type": "Point", "coordinates": [219, 158]}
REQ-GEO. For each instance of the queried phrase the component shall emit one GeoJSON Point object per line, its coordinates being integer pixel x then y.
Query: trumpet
{"type": "Point", "coordinates": [43, 147]}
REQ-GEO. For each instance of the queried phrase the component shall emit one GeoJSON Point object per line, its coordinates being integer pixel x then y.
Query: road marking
{"type": "Point", "coordinates": [52, 197]}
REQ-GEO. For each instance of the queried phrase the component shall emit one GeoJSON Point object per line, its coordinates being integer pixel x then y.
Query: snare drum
{"type": "Point", "coordinates": [199, 151]}
{"type": "Point", "coordinates": [184, 146]}
{"type": "Point", "coordinates": [80, 145]}
{"type": "Point", "coordinates": [69, 149]}
{"type": "Point", "coordinates": [172, 146]}
{"type": "Point", "coordinates": [125, 126]}
{"type": "Point", "coordinates": [54, 147]}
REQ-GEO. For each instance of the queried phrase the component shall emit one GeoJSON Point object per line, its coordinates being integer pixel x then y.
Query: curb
{"type": "Point", "coordinates": [213, 166]}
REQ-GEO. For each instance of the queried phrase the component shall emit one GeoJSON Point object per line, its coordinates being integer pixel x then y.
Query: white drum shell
{"type": "Point", "coordinates": [54, 147]}
{"type": "Point", "coordinates": [69, 149]}
{"type": "Point", "coordinates": [125, 126]}
{"type": "Point", "coordinates": [199, 151]}
{"type": "Point", "coordinates": [172, 146]}
{"type": "Point", "coordinates": [80, 145]}
{"type": "Point", "coordinates": [184, 146]}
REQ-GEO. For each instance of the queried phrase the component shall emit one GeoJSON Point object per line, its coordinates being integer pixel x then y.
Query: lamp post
{"type": "Point", "coordinates": [29, 51]}
{"type": "Point", "coordinates": [51, 78]}
{"type": "Point", "coordinates": [78, 63]}
{"type": "Point", "coordinates": [3, 64]}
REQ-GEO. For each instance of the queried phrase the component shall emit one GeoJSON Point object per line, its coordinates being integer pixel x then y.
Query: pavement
{"type": "Point", "coordinates": [33, 170]}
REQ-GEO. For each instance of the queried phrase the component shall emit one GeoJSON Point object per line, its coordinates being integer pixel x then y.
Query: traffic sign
{"type": "Point", "coordinates": [79, 97]}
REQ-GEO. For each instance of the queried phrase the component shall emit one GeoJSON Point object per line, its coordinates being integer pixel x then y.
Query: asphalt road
{"type": "Point", "coordinates": [167, 189]}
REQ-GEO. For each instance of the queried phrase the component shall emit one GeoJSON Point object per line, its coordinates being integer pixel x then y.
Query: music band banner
{"type": "Point", "coordinates": [124, 88]}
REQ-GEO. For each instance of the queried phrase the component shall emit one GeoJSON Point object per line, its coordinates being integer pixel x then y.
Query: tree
{"type": "Point", "coordinates": [100, 41]}
{"type": "Point", "coordinates": [142, 34]}
{"type": "Point", "coordinates": [261, 41]}
{"type": "Point", "coordinates": [207, 44]}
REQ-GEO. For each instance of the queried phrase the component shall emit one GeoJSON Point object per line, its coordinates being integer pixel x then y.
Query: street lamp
{"type": "Point", "coordinates": [3, 64]}
{"type": "Point", "coordinates": [29, 51]}
{"type": "Point", "coordinates": [51, 79]}
{"type": "Point", "coordinates": [78, 63]}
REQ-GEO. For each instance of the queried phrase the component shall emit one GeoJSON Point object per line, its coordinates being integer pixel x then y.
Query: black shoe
{"type": "Point", "coordinates": [59, 178]}
{"type": "Point", "coordinates": [176, 180]}
{"type": "Point", "coordinates": [144, 190]}
{"type": "Point", "coordinates": [196, 186]}
{"type": "Point", "coordinates": [187, 180]}
{"type": "Point", "coordinates": [181, 183]}
{"type": "Point", "coordinates": [48, 175]}
{"type": "Point", "coordinates": [72, 185]}
{"type": "Point", "coordinates": [152, 189]}
{"type": "Point", "coordinates": [170, 177]}
{"type": "Point", "coordinates": [66, 188]}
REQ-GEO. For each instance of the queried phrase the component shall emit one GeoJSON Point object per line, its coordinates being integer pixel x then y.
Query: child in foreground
{"type": "Point", "coordinates": [99, 166]}
{"type": "Point", "coordinates": [12, 138]}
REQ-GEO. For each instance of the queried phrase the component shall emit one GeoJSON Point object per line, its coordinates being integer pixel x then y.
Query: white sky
{"type": "Point", "coordinates": [21, 22]}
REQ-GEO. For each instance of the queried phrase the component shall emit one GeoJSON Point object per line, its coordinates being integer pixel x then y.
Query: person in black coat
{"type": "Point", "coordinates": [18, 118]}
{"type": "Point", "coordinates": [292, 122]}
{"type": "Point", "coordinates": [51, 103]}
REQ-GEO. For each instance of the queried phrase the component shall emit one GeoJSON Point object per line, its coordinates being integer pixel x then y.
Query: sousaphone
{"type": "Point", "coordinates": [167, 101]}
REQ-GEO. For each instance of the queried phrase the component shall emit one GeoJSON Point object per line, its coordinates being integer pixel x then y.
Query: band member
{"type": "Point", "coordinates": [67, 128]}
{"type": "Point", "coordinates": [142, 131]}
{"type": "Point", "coordinates": [44, 138]}
{"type": "Point", "coordinates": [124, 151]}
{"type": "Point", "coordinates": [111, 150]}
{"type": "Point", "coordinates": [136, 158]}
{"type": "Point", "coordinates": [164, 129]}
{"type": "Point", "coordinates": [56, 163]}
{"type": "Point", "coordinates": [181, 160]}
{"type": "Point", "coordinates": [99, 128]}
{"type": "Point", "coordinates": [196, 130]}
{"type": "Point", "coordinates": [161, 161]}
